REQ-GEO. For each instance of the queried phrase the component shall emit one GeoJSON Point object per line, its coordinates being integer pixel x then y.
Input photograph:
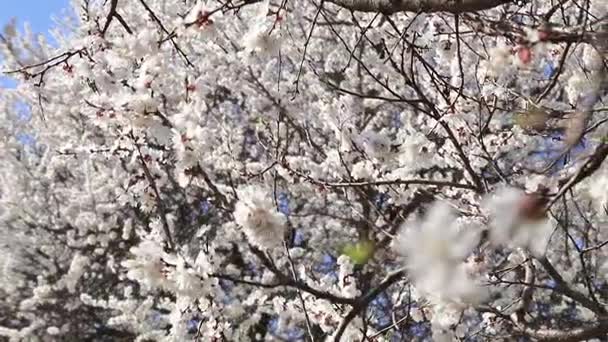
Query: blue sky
{"type": "Point", "coordinates": [36, 12]}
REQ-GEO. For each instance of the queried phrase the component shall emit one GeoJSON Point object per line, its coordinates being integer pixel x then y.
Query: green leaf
{"type": "Point", "coordinates": [359, 252]}
{"type": "Point", "coordinates": [533, 118]}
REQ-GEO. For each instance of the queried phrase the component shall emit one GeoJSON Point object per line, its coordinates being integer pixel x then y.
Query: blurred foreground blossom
{"type": "Point", "coordinates": [435, 250]}
{"type": "Point", "coordinates": [518, 220]}
{"type": "Point", "coordinates": [263, 225]}
{"type": "Point", "coordinates": [147, 265]}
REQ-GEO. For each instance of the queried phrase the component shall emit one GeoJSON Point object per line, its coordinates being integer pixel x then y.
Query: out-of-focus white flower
{"type": "Point", "coordinates": [201, 22]}
{"type": "Point", "coordinates": [185, 280]}
{"type": "Point", "coordinates": [504, 209]}
{"type": "Point", "coordinates": [500, 58]}
{"type": "Point", "coordinates": [259, 39]}
{"type": "Point", "coordinates": [436, 240]}
{"type": "Point", "coordinates": [144, 43]}
{"type": "Point", "coordinates": [445, 316]}
{"type": "Point", "coordinates": [141, 104]}
{"type": "Point", "coordinates": [77, 269]}
{"type": "Point", "coordinates": [376, 145]}
{"type": "Point", "coordinates": [537, 182]}
{"type": "Point", "coordinates": [532, 35]}
{"type": "Point", "coordinates": [10, 29]}
{"type": "Point", "coordinates": [263, 225]}
{"type": "Point", "coordinates": [344, 132]}
{"type": "Point", "coordinates": [413, 146]}
{"type": "Point", "coordinates": [203, 263]}
{"type": "Point", "coordinates": [346, 280]}
{"type": "Point", "coordinates": [147, 266]}
{"type": "Point", "coordinates": [435, 250]}
{"type": "Point", "coordinates": [363, 170]}
{"type": "Point", "coordinates": [194, 13]}
{"type": "Point", "coordinates": [578, 86]}
{"type": "Point", "coordinates": [592, 59]}
{"type": "Point", "coordinates": [517, 219]}
{"type": "Point", "coordinates": [262, 37]}
{"type": "Point", "coordinates": [53, 330]}
{"type": "Point", "coordinates": [598, 192]}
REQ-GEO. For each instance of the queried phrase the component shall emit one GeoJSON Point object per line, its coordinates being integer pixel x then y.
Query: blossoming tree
{"type": "Point", "coordinates": [355, 170]}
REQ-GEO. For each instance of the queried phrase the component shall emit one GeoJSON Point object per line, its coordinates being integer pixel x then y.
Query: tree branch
{"type": "Point", "coordinates": [597, 330]}
{"type": "Point", "coordinates": [363, 301]}
{"type": "Point", "coordinates": [562, 286]}
{"type": "Point", "coordinates": [160, 206]}
{"type": "Point", "coordinates": [114, 14]}
{"type": "Point", "coordinates": [286, 280]}
{"type": "Point", "coordinates": [428, 6]}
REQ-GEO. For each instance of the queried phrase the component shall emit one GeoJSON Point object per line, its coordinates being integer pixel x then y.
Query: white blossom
{"type": "Point", "coordinates": [375, 144]}
{"type": "Point", "coordinates": [262, 36]}
{"type": "Point", "coordinates": [147, 265]}
{"type": "Point", "coordinates": [255, 212]}
{"type": "Point", "coordinates": [185, 280]}
{"type": "Point", "coordinates": [597, 193]}
{"type": "Point", "coordinates": [346, 281]}
{"type": "Point", "coordinates": [499, 60]}
{"type": "Point", "coordinates": [77, 269]}
{"type": "Point", "coordinates": [53, 330]}
{"type": "Point", "coordinates": [511, 221]}
{"type": "Point", "coordinates": [439, 244]}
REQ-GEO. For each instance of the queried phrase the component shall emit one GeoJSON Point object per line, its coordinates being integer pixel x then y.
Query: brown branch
{"type": "Point", "coordinates": [302, 301]}
{"type": "Point", "coordinates": [587, 169]}
{"type": "Point", "coordinates": [159, 203]}
{"type": "Point", "coordinates": [555, 77]}
{"type": "Point", "coordinates": [312, 28]}
{"type": "Point", "coordinates": [597, 330]}
{"type": "Point", "coordinates": [562, 287]}
{"type": "Point", "coordinates": [528, 291]}
{"type": "Point", "coordinates": [114, 14]}
{"type": "Point", "coordinates": [221, 197]}
{"type": "Point", "coordinates": [428, 6]}
{"type": "Point", "coordinates": [364, 300]}
{"type": "Point", "coordinates": [428, 182]}
{"type": "Point", "coordinates": [244, 282]}
{"type": "Point", "coordinates": [169, 34]}
{"type": "Point", "coordinates": [289, 281]}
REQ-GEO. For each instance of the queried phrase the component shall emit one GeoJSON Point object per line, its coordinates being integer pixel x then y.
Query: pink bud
{"type": "Point", "coordinates": [524, 54]}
